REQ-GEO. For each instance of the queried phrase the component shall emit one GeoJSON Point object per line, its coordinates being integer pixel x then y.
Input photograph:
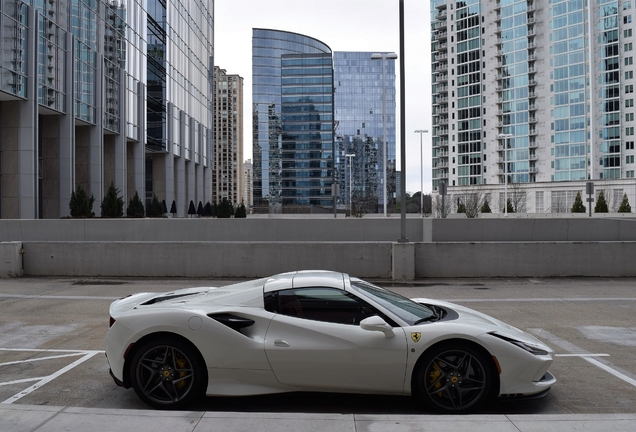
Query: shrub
{"type": "Point", "coordinates": [112, 205]}
{"type": "Point", "coordinates": [135, 207]}
{"type": "Point", "coordinates": [81, 205]}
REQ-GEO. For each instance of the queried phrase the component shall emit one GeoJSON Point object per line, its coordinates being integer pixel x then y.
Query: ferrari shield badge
{"type": "Point", "coordinates": [416, 336]}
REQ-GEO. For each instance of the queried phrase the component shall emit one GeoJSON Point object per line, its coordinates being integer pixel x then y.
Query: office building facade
{"type": "Point", "coordinates": [227, 174]}
{"type": "Point", "coordinates": [359, 126]}
{"type": "Point", "coordinates": [535, 95]}
{"type": "Point", "coordinates": [292, 99]}
{"type": "Point", "coordinates": [94, 93]}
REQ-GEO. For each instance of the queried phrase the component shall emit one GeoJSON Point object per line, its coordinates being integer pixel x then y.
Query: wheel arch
{"type": "Point", "coordinates": [162, 335]}
{"type": "Point", "coordinates": [454, 343]}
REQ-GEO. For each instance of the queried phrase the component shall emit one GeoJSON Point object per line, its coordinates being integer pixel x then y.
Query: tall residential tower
{"type": "Point", "coordinates": [536, 95]}
{"type": "Point", "coordinates": [227, 176]}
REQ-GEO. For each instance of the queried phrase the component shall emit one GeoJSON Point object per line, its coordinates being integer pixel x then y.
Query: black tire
{"type": "Point", "coordinates": [167, 373]}
{"type": "Point", "coordinates": [454, 377]}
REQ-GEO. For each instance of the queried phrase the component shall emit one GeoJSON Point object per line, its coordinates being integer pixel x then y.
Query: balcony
{"type": "Point", "coordinates": [532, 83]}
{"type": "Point", "coordinates": [531, 20]}
{"type": "Point", "coordinates": [532, 95]}
{"type": "Point", "coordinates": [533, 144]}
{"type": "Point", "coordinates": [532, 119]}
{"type": "Point", "coordinates": [533, 157]}
{"type": "Point", "coordinates": [533, 132]}
{"type": "Point", "coordinates": [533, 170]}
{"type": "Point", "coordinates": [442, 78]}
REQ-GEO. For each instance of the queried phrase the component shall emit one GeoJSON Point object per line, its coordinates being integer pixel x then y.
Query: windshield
{"type": "Point", "coordinates": [405, 308]}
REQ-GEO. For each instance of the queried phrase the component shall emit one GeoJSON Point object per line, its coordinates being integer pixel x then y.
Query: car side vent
{"type": "Point", "coordinates": [232, 321]}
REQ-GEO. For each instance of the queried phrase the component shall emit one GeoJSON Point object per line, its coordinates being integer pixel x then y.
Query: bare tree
{"type": "Point", "coordinates": [518, 198]}
{"type": "Point", "coordinates": [439, 210]}
{"type": "Point", "coordinates": [473, 199]}
{"type": "Point", "coordinates": [558, 203]}
{"type": "Point", "coordinates": [363, 204]}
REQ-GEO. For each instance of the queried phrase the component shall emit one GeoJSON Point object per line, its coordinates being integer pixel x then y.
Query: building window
{"type": "Point", "coordinates": [628, 46]}
{"type": "Point", "coordinates": [629, 61]}
{"type": "Point", "coordinates": [629, 131]}
{"type": "Point", "coordinates": [627, 5]}
{"type": "Point", "coordinates": [629, 88]}
{"type": "Point", "coordinates": [629, 103]}
{"type": "Point", "coordinates": [627, 33]}
{"type": "Point", "coordinates": [627, 19]}
{"type": "Point", "coordinates": [629, 117]}
{"type": "Point", "coordinates": [629, 145]}
{"type": "Point", "coordinates": [629, 159]}
{"type": "Point", "coordinates": [629, 75]}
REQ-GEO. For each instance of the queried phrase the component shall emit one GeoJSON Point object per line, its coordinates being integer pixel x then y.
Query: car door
{"type": "Point", "coordinates": [315, 341]}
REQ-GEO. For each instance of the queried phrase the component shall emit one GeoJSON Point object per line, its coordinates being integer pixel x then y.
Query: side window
{"type": "Point", "coordinates": [324, 304]}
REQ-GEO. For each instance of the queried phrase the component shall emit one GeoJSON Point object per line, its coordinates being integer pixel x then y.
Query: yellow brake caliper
{"type": "Point", "coordinates": [435, 374]}
{"type": "Point", "coordinates": [181, 364]}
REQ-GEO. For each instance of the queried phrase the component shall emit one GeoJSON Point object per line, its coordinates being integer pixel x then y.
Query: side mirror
{"type": "Point", "coordinates": [375, 323]}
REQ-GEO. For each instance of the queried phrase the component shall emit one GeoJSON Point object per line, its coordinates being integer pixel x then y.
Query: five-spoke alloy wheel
{"type": "Point", "coordinates": [167, 374]}
{"type": "Point", "coordinates": [454, 378]}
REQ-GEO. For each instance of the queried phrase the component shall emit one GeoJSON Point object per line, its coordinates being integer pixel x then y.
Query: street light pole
{"type": "Point", "coordinates": [506, 143]}
{"type": "Point", "coordinates": [350, 156]}
{"type": "Point", "coordinates": [384, 57]}
{"type": "Point", "coordinates": [421, 131]}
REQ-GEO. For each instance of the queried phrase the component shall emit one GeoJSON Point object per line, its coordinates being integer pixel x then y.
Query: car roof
{"type": "Point", "coordinates": [305, 279]}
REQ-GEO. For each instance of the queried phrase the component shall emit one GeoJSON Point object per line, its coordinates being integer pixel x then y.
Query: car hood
{"type": "Point", "coordinates": [485, 323]}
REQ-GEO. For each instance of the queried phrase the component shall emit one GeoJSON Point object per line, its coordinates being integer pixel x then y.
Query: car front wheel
{"type": "Point", "coordinates": [454, 378]}
{"type": "Point", "coordinates": [167, 374]}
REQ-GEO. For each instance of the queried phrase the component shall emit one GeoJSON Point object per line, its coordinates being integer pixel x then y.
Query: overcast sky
{"type": "Point", "coordinates": [344, 25]}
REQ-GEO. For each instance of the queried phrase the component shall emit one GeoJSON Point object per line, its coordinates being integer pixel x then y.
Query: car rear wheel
{"type": "Point", "coordinates": [167, 374]}
{"type": "Point", "coordinates": [454, 378]}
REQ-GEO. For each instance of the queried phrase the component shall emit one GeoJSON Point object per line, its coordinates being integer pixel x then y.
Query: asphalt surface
{"type": "Point", "coordinates": [51, 334]}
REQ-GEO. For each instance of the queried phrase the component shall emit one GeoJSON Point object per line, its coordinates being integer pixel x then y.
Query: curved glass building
{"type": "Point", "coordinates": [292, 98]}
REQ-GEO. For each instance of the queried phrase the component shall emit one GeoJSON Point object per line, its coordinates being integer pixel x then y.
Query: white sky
{"type": "Point", "coordinates": [344, 25]}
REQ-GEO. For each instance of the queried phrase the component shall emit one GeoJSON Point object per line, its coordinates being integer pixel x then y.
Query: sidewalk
{"type": "Point", "coordinates": [32, 418]}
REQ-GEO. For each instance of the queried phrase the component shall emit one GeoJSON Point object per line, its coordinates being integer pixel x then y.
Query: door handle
{"type": "Point", "coordinates": [281, 343]}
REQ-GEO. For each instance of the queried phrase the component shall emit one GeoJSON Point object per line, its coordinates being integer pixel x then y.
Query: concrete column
{"type": "Point", "coordinates": [67, 133]}
{"type": "Point", "coordinates": [180, 180]}
{"type": "Point", "coordinates": [403, 261]}
{"type": "Point", "coordinates": [120, 140]}
{"type": "Point", "coordinates": [169, 164]}
{"type": "Point", "coordinates": [27, 149]}
{"type": "Point", "coordinates": [96, 140]}
{"type": "Point", "coordinates": [139, 150]}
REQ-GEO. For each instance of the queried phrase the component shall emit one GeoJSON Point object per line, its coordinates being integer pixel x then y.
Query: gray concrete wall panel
{"type": "Point", "coordinates": [203, 259]}
{"type": "Point", "coordinates": [10, 259]}
{"type": "Point", "coordinates": [539, 259]}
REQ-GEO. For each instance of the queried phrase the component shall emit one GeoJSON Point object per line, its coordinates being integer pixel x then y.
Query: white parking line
{"type": "Point", "coordinates": [581, 355]}
{"type": "Point", "coordinates": [57, 297]}
{"type": "Point", "coordinates": [580, 352]}
{"type": "Point", "coordinates": [39, 359]}
{"type": "Point", "coordinates": [86, 355]}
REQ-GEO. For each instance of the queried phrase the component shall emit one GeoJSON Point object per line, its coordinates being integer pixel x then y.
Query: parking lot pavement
{"type": "Point", "coordinates": [51, 333]}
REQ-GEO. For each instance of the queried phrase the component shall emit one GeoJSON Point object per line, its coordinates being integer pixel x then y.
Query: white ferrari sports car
{"type": "Point", "coordinates": [318, 331]}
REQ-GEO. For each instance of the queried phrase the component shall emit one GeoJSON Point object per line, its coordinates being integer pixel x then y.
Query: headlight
{"type": "Point", "coordinates": [531, 348]}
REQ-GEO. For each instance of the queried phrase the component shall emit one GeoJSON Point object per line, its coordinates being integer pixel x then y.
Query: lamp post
{"type": "Point", "coordinates": [350, 156]}
{"type": "Point", "coordinates": [505, 137]}
{"type": "Point", "coordinates": [384, 57]}
{"type": "Point", "coordinates": [421, 131]}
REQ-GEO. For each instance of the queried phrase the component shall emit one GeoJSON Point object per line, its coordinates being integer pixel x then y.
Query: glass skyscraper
{"type": "Point", "coordinates": [94, 92]}
{"type": "Point", "coordinates": [292, 97]}
{"type": "Point", "coordinates": [535, 95]}
{"type": "Point", "coordinates": [359, 126]}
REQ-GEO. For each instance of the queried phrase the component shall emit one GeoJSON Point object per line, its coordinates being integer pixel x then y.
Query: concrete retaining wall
{"type": "Point", "coordinates": [204, 259]}
{"type": "Point", "coordinates": [10, 259]}
{"type": "Point", "coordinates": [541, 259]}
{"type": "Point", "coordinates": [212, 230]}
{"type": "Point", "coordinates": [400, 261]}
{"type": "Point", "coordinates": [320, 229]}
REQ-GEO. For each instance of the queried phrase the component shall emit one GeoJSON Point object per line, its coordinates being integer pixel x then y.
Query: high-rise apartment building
{"type": "Point", "coordinates": [227, 174]}
{"type": "Point", "coordinates": [359, 125]}
{"type": "Point", "coordinates": [94, 92]}
{"type": "Point", "coordinates": [292, 98]}
{"type": "Point", "coordinates": [540, 94]}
